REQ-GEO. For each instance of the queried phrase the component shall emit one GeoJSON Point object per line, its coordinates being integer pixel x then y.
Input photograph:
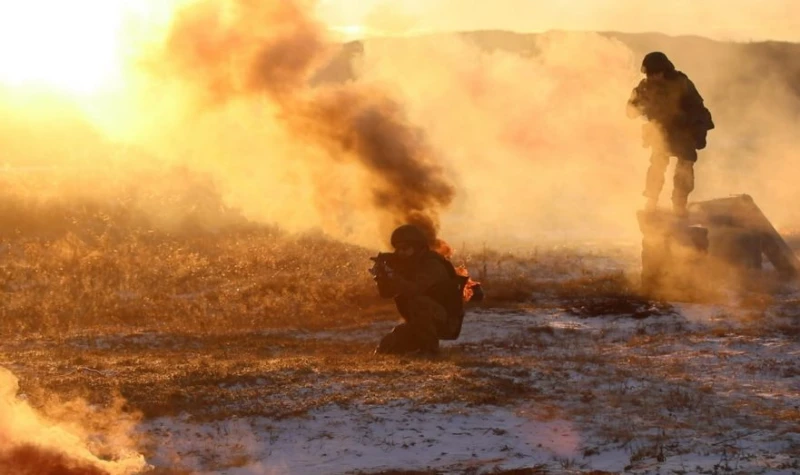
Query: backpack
{"type": "Point", "coordinates": [701, 125]}
{"type": "Point", "coordinates": [450, 294]}
{"type": "Point", "coordinates": [697, 114]}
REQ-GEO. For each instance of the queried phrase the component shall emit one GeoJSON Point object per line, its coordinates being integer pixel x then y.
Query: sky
{"type": "Point", "coordinates": [739, 20]}
{"type": "Point", "coordinates": [81, 39]}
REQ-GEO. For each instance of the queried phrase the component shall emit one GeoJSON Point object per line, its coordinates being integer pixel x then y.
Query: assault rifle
{"type": "Point", "coordinates": [383, 269]}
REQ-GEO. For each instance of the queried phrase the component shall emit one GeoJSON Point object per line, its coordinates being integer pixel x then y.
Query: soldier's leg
{"type": "Point", "coordinates": [424, 315]}
{"type": "Point", "coordinates": [683, 184]}
{"type": "Point", "coordinates": [418, 332]}
{"type": "Point", "coordinates": [399, 341]}
{"type": "Point", "coordinates": [659, 160]}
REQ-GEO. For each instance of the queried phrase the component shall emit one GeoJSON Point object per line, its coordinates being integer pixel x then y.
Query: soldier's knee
{"type": "Point", "coordinates": [659, 161]}
{"type": "Point", "coordinates": [400, 340]}
{"type": "Point", "coordinates": [426, 309]}
{"type": "Point", "coordinates": [423, 302]}
{"type": "Point", "coordinates": [684, 171]}
{"type": "Point", "coordinates": [684, 176]}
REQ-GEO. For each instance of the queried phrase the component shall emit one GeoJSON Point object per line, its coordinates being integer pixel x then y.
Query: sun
{"type": "Point", "coordinates": [73, 47]}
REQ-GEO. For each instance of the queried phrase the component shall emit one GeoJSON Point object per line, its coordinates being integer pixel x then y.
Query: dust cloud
{"type": "Point", "coordinates": [72, 442]}
{"type": "Point", "coordinates": [229, 55]}
{"type": "Point", "coordinates": [540, 147]}
{"type": "Point", "coordinates": [725, 20]}
{"type": "Point", "coordinates": [504, 139]}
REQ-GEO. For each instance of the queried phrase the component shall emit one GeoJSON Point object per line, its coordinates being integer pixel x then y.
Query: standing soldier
{"type": "Point", "coordinates": [677, 124]}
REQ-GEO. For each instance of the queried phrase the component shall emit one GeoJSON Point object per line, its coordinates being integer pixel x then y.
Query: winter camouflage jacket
{"type": "Point", "coordinates": [674, 106]}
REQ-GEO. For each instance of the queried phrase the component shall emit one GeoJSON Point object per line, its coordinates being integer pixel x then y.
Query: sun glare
{"type": "Point", "coordinates": [349, 32]}
{"type": "Point", "coordinates": [72, 47]}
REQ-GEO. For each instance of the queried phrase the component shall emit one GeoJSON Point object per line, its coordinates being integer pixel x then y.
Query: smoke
{"type": "Point", "coordinates": [230, 51]}
{"type": "Point", "coordinates": [538, 139]}
{"type": "Point", "coordinates": [719, 19]}
{"type": "Point", "coordinates": [31, 443]}
{"type": "Point", "coordinates": [538, 145]}
{"type": "Point", "coordinates": [390, 18]}
{"type": "Point", "coordinates": [489, 137]}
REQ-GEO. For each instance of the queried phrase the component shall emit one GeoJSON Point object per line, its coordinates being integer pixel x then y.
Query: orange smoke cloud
{"type": "Point", "coordinates": [236, 49]}
{"type": "Point", "coordinates": [31, 443]}
{"type": "Point", "coordinates": [33, 460]}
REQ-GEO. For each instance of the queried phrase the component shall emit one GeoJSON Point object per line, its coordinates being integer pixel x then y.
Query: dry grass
{"type": "Point", "coordinates": [619, 391]}
{"type": "Point", "coordinates": [247, 279]}
{"type": "Point", "coordinates": [216, 377]}
{"type": "Point", "coordinates": [81, 264]}
{"type": "Point", "coordinates": [171, 257]}
{"type": "Point", "coordinates": [102, 303]}
{"type": "Point", "coordinates": [539, 276]}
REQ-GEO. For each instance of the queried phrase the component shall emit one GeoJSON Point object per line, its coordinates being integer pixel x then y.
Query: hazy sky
{"type": "Point", "coordinates": [720, 19]}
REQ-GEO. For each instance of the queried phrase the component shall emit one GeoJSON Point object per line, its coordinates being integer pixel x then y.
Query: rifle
{"type": "Point", "coordinates": [383, 269]}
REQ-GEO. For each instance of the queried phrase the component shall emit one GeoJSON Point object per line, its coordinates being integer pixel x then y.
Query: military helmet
{"type": "Point", "coordinates": [409, 234]}
{"type": "Point", "coordinates": [656, 62]}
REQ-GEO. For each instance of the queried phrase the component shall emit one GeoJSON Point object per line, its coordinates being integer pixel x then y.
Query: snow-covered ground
{"type": "Point", "coordinates": [601, 381]}
{"type": "Point", "coordinates": [374, 438]}
{"type": "Point", "coordinates": [688, 389]}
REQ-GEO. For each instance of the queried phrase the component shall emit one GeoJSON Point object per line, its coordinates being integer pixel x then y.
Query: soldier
{"type": "Point", "coordinates": [427, 293]}
{"type": "Point", "coordinates": [677, 124]}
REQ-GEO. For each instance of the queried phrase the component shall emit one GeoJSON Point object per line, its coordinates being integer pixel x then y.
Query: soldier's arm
{"type": "Point", "coordinates": [431, 273]}
{"type": "Point", "coordinates": [634, 107]}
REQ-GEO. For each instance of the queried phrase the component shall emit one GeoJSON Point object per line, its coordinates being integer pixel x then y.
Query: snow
{"type": "Point", "coordinates": [335, 440]}
{"type": "Point", "coordinates": [666, 388]}
{"type": "Point", "coordinates": [651, 422]}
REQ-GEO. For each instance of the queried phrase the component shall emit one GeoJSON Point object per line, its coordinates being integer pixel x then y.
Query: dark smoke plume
{"type": "Point", "coordinates": [239, 48]}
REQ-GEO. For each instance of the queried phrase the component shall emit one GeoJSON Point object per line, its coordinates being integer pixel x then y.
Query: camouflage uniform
{"type": "Point", "coordinates": [678, 122]}
{"type": "Point", "coordinates": [429, 300]}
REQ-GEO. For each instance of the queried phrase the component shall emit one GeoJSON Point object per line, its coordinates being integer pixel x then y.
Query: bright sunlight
{"type": "Point", "coordinates": [71, 47]}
